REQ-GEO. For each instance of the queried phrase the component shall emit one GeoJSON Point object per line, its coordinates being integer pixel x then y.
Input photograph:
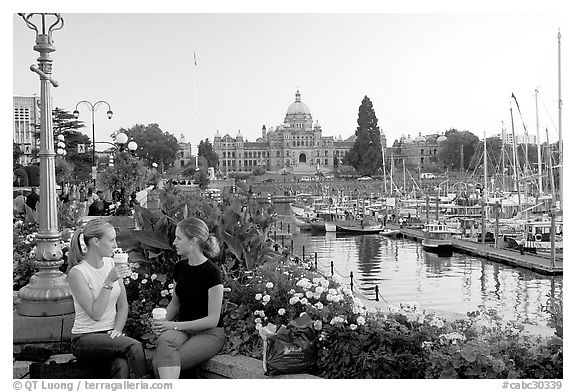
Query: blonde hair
{"type": "Point", "coordinates": [94, 228]}
{"type": "Point", "coordinates": [197, 228]}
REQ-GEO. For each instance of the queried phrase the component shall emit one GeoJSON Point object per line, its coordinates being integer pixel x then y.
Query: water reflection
{"type": "Point", "coordinates": [404, 272]}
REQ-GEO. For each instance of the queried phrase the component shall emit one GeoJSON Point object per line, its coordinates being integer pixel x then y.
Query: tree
{"type": "Point", "coordinates": [366, 154]}
{"type": "Point", "coordinates": [154, 145]}
{"type": "Point", "coordinates": [127, 173]}
{"type": "Point", "coordinates": [33, 172]}
{"type": "Point", "coordinates": [64, 170]}
{"type": "Point", "coordinates": [16, 153]}
{"type": "Point", "coordinates": [205, 150]}
{"type": "Point", "coordinates": [449, 153]}
{"type": "Point", "coordinates": [64, 121]}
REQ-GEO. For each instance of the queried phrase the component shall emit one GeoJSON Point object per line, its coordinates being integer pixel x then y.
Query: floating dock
{"type": "Point", "coordinates": [538, 263]}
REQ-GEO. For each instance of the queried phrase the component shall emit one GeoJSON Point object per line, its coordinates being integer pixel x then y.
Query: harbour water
{"type": "Point", "coordinates": [403, 271]}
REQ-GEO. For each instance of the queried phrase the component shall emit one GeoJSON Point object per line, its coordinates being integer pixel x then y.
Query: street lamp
{"type": "Point", "coordinates": [48, 293]}
{"type": "Point", "coordinates": [93, 108]}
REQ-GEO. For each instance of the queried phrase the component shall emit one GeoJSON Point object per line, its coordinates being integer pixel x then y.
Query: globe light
{"type": "Point", "coordinates": [154, 164]}
{"type": "Point", "coordinates": [121, 138]}
{"type": "Point", "coordinates": [61, 137]}
{"type": "Point", "coordinates": [76, 113]}
{"type": "Point", "coordinates": [60, 151]}
{"type": "Point", "coordinates": [132, 146]}
{"type": "Point", "coordinates": [61, 144]}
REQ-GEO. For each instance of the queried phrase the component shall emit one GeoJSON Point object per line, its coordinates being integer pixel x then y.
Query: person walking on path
{"type": "Point", "coordinates": [100, 302]}
{"type": "Point", "coordinates": [193, 331]}
{"type": "Point", "coordinates": [32, 199]}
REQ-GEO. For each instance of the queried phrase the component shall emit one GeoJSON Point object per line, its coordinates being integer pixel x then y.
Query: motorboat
{"type": "Point", "coordinates": [389, 232]}
{"type": "Point", "coordinates": [437, 239]}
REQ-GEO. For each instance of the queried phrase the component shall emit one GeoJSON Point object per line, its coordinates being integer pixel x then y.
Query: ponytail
{"type": "Point", "coordinates": [75, 252]}
{"type": "Point", "coordinates": [210, 248]}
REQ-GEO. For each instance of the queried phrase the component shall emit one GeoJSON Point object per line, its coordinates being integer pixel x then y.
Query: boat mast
{"type": "Point", "coordinates": [516, 186]}
{"type": "Point", "coordinates": [391, 173]}
{"type": "Point", "coordinates": [404, 172]}
{"type": "Point", "coordinates": [538, 144]}
{"type": "Point", "coordinates": [504, 187]}
{"type": "Point", "coordinates": [485, 173]}
{"type": "Point", "coordinates": [384, 166]}
{"type": "Point", "coordinates": [560, 148]}
{"type": "Point", "coordinates": [553, 207]}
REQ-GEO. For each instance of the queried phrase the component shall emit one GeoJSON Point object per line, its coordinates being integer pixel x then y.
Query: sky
{"type": "Point", "coordinates": [194, 74]}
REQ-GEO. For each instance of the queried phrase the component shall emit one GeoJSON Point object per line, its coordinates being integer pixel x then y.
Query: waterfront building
{"type": "Point", "coordinates": [520, 139]}
{"type": "Point", "coordinates": [421, 152]}
{"type": "Point", "coordinates": [184, 154]}
{"type": "Point", "coordinates": [297, 145]}
{"type": "Point", "coordinates": [26, 129]}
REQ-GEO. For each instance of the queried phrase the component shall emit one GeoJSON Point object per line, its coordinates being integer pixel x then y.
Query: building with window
{"type": "Point", "coordinates": [297, 145]}
{"type": "Point", "coordinates": [420, 152]}
{"type": "Point", "coordinates": [26, 131]}
{"type": "Point", "coordinates": [184, 154]}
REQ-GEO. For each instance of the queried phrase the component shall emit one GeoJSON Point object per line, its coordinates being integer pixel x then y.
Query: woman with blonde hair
{"type": "Point", "coordinates": [100, 302]}
{"type": "Point", "coordinates": [193, 331]}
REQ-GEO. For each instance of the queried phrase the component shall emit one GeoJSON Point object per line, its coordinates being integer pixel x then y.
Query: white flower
{"type": "Point", "coordinates": [324, 282]}
{"type": "Point", "coordinates": [337, 298]}
{"type": "Point", "coordinates": [259, 313]}
{"type": "Point", "coordinates": [315, 280]}
{"type": "Point", "coordinates": [353, 327]}
{"type": "Point", "coordinates": [332, 291]}
{"type": "Point", "coordinates": [144, 281]}
{"type": "Point", "coordinates": [145, 275]}
{"type": "Point", "coordinates": [336, 319]}
{"type": "Point", "coordinates": [164, 293]}
{"type": "Point", "coordinates": [281, 311]}
{"type": "Point", "coordinates": [126, 281]}
{"type": "Point", "coordinates": [317, 295]}
{"type": "Point", "coordinates": [134, 275]}
{"type": "Point", "coordinates": [171, 291]}
{"type": "Point", "coordinates": [294, 300]}
{"type": "Point", "coordinates": [269, 285]}
{"type": "Point", "coordinates": [319, 290]}
{"type": "Point", "coordinates": [302, 314]}
{"type": "Point", "coordinates": [304, 301]}
{"type": "Point", "coordinates": [319, 305]}
{"type": "Point", "coordinates": [257, 320]}
{"type": "Point", "coordinates": [153, 277]}
{"type": "Point", "coordinates": [309, 294]}
{"type": "Point", "coordinates": [329, 297]}
{"type": "Point", "coordinates": [171, 286]}
{"type": "Point", "coordinates": [361, 320]}
{"type": "Point", "coordinates": [258, 297]}
{"type": "Point", "coordinates": [292, 291]}
{"type": "Point", "coordinates": [266, 298]}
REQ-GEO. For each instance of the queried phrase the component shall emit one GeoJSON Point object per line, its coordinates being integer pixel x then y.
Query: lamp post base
{"type": "Point", "coordinates": [47, 294]}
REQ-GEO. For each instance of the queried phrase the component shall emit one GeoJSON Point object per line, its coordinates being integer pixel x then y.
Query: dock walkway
{"type": "Point", "coordinates": [534, 262]}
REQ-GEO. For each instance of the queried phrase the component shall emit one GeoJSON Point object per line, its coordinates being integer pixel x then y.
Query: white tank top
{"type": "Point", "coordinates": [95, 277]}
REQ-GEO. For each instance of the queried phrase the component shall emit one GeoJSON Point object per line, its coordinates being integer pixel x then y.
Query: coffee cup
{"type": "Point", "coordinates": [159, 314]}
{"type": "Point", "coordinates": [121, 260]}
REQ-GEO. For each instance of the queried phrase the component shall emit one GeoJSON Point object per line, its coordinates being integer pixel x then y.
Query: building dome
{"type": "Point", "coordinates": [298, 107]}
{"type": "Point", "coordinates": [441, 139]}
{"type": "Point", "coordinates": [420, 138]}
{"type": "Point", "coordinates": [408, 140]}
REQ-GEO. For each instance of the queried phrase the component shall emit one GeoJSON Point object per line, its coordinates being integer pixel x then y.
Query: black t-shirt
{"type": "Point", "coordinates": [192, 284]}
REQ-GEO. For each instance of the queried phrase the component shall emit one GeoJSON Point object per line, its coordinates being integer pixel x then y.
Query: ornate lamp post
{"type": "Point", "coordinates": [93, 108]}
{"type": "Point", "coordinates": [48, 293]}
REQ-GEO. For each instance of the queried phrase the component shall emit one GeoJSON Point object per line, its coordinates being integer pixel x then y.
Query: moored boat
{"type": "Point", "coordinates": [389, 232]}
{"type": "Point", "coordinates": [437, 239]}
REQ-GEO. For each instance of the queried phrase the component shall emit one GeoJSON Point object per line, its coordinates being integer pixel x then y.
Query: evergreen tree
{"type": "Point", "coordinates": [449, 153]}
{"type": "Point", "coordinates": [64, 123]}
{"type": "Point", "coordinates": [205, 150]}
{"type": "Point", "coordinates": [366, 154]}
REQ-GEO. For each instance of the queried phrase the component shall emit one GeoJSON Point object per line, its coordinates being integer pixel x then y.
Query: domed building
{"type": "Point", "coordinates": [297, 145]}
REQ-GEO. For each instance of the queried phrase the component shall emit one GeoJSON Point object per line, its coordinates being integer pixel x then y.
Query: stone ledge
{"type": "Point", "coordinates": [243, 367]}
{"type": "Point", "coordinates": [221, 366]}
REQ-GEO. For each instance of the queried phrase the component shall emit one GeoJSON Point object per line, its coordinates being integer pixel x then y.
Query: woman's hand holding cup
{"type": "Point", "coordinates": [158, 319]}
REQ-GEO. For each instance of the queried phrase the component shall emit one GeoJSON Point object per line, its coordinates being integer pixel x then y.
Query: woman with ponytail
{"type": "Point", "coordinates": [100, 302]}
{"type": "Point", "coordinates": [193, 331]}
